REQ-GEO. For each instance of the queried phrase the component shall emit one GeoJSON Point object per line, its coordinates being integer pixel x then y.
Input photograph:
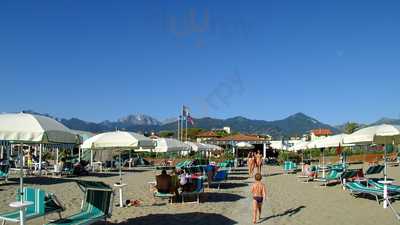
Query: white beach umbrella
{"type": "Point", "coordinates": [28, 128]}
{"type": "Point", "coordinates": [118, 141]}
{"type": "Point", "coordinates": [244, 145]}
{"type": "Point", "coordinates": [22, 128]}
{"type": "Point", "coordinates": [329, 142]}
{"type": "Point", "coordinates": [380, 134]}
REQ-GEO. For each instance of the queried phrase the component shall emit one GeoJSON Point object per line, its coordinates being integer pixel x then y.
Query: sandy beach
{"type": "Point", "coordinates": [289, 202]}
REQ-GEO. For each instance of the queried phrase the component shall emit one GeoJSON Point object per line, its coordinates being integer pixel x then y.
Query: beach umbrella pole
{"type": "Point", "coordinates": [120, 169]}
{"type": "Point", "coordinates": [21, 175]}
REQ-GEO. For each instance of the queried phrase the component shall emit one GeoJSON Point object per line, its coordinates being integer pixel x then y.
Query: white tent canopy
{"type": "Point", "coordinates": [381, 134]}
{"type": "Point", "coordinates": [244, 145]}
{"type": "Point", "coordinates": [117, 140]}
{"type": "Point", "coordinates": [28, 128]}
{"type": "Point", "coordinates": [329, 142]}
{"type": "Point", "coordinates": [301, 145]}
{"type": "Point", "coordinates": [197, 147]}
{"type": "Point", "coordinates": [170, 145]}
{"type": "Point", "coordinates": [213, 147]}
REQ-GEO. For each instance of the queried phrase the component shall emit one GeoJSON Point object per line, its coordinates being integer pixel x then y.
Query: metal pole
{"type": "Point", "coordinates": [120, 169]}
{"type": "Point", "coordinates": [40, 159]}
{"type": "Point", "coordinates": [79, 153]}
{"type": "Point", "coordinates": [186, 135]}
{"type": "Point", "coordinates": [21, 174]}
{"type": "Point", "coordinates": [179, 128]}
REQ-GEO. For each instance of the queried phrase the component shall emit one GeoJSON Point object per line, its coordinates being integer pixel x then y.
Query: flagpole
{"type": "Point", "coordinates": [186, 138]}
{"type": "Point", "coordinates": [178, 136]}
{"type": "Point", "coordinates": [181, 128]}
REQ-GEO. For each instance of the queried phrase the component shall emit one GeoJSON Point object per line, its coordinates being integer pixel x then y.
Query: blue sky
{"type": "Point", "coordinates": [96, 60]}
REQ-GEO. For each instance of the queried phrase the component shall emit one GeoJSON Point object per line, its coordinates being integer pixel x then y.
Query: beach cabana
{"type": "Point", "coordinates": [117, 142]}
{"type": "Point", "coordinates": [21, 128]}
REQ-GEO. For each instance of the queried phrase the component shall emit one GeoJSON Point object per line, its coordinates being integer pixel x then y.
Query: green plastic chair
{"type": "Point", "coordinates": [97, 205]}
{"type": "Point", "coordinates": [43, 204]}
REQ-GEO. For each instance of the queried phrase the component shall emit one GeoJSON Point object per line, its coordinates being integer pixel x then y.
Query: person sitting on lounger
{"type": "Point", "coordinates": [164, 183]}
{"type": "Point", "coordinates": [174, 182]}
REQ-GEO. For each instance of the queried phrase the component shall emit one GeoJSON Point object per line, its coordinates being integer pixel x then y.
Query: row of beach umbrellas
{"type": "Point", "coordinates": [385, 134]}
{"type": "Point", "coordinates": [20, 129]}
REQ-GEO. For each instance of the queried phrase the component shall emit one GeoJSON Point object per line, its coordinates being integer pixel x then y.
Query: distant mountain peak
{"type": "Point", "coordinates": [139, 119]}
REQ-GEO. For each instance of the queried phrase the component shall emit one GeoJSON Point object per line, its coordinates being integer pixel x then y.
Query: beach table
{"type": "Point", "coordinates": [120, 188]}
{"type": "Point", "coordinates": [385, 192]}
{"type": "Point", "coordinates": [21, 205]}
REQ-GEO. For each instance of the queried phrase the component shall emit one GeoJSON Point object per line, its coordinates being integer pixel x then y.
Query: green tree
{"type": "Point", "coordinates": [192, 132]}
{"type": "Point", "coordinates": [222, 133]}
{"type": "Point", "coordinates": [166, 134]}
{"type": "Point", "coordinates": [351, 127]}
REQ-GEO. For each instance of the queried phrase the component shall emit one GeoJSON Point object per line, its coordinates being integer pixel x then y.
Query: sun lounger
{"type": "Point", "coordinates": [309, 174]}
{"type": "Point", "coordinates": [4, 170]}
{"type": "Point", "coordinates": [289, 167]}
{"type": "Point", "coordinates": [357, 189]}
{"type": "Point", "coordinates": [333, 175]}
{"type": "Point", "coordinates": [219, 178]}
{"type": "Point", "coordinates": [375, 183]}
{"type": "Point", "coordinates": [97, 205]}
{"type": "Point", "coordinates": [375, 170]}
{"type": "Point", "coordinates": [43, 204]}
{"type": "Point", "coordinates": [197, 192]}
{"type": "Point", "coordinates": [168, 196]}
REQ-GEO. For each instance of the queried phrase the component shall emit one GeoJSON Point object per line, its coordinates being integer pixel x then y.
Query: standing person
{"type": "Point", "coordinates": [250, 163]}
{"type": "Point", "coordinates": [259, 192]}
{"type": "Point", "coordinates": [259, 161]}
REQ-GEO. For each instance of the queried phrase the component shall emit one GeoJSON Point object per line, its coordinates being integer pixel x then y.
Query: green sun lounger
{"type": "Point", "coordinates": [289, 167]}
{"type": "Point", "coordinates": [392, 188]}
{"type": "Point", "coordinates": [357, 189]}
{"type": "Point", "coordinates": [168, 196]}
{"type": "Point", "coordinates": [96, 207]}
{"type": "Point", "coordinates": [43, 204]}
{"type": "Point", "coordinates": [375, 170]}
{"type": "Point", "coordinates": [4, 169]}
{"type": "Point", "coordinates": [333, 175]}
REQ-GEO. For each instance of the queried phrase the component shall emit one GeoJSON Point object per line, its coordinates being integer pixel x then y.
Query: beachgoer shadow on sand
{"type": "Point", "coordinates": [178, 219]}
{"type": "Point", "coordinates": [289, 213]}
